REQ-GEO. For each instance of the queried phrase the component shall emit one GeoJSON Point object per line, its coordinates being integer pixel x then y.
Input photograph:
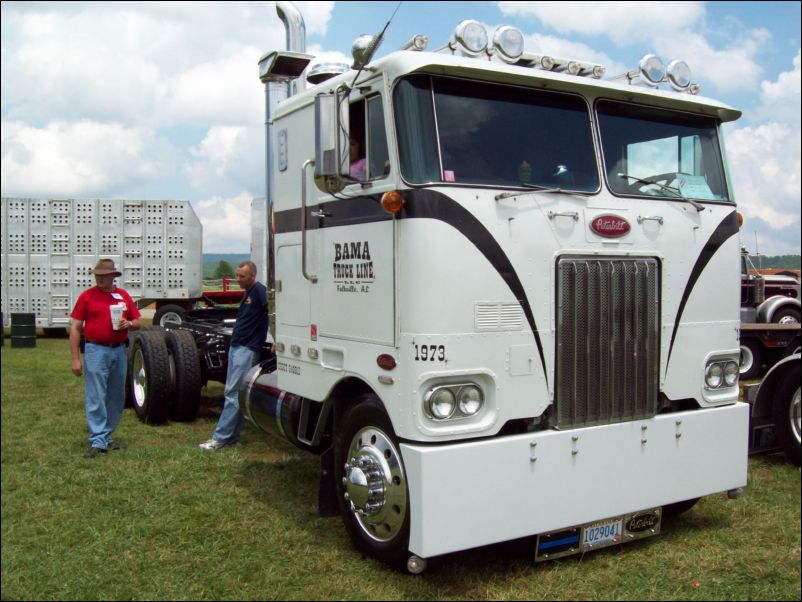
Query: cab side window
{"type": "Point", "coordinates": [370, 159]}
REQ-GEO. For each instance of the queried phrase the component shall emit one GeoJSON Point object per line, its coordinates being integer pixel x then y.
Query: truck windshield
{"type": "Point", "coordinates": [467, 132]}
{"type": "Point", "coordinates": [656, 152]}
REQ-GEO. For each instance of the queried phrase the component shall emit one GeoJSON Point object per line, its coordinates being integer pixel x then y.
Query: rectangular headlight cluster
{"type": "Point", "coordinates": [446, 402]}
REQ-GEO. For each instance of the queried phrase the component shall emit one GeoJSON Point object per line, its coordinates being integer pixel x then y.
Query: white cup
{"type": "Point", "coordinates": [117, 311]}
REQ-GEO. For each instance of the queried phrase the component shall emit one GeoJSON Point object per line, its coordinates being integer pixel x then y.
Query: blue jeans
{"type": "Point", "coordinates": [240, 360]}
{"type": "Point", "coordinates": [104, 386]}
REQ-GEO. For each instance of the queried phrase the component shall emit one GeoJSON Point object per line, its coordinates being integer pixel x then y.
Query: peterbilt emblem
{"type": "Point", "coordinates": [610, 226]}
{"type": "Point", "coordinates": [642, 522]}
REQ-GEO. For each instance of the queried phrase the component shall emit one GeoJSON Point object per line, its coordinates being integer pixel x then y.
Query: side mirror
{"type": "Point", "coordinates": [332, 142]}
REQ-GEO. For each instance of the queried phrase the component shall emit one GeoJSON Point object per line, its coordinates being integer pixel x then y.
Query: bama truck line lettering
{"type": "Point", "coordinates": [352, 263]}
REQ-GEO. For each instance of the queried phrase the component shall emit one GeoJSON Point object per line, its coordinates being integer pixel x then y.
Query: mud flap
{"type": "Point", "coordinates": [327, 496]}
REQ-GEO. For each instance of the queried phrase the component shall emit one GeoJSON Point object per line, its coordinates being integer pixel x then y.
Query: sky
{"type": "Point", "coordinates": [162, 100]}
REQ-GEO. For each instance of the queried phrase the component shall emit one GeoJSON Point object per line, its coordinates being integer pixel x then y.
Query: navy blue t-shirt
{"type": "Point", "coordinates": [251, 327]}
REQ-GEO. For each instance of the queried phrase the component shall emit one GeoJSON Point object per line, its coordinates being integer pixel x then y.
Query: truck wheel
{"type": "Point", "coordinates": [371, 482]}
{"type": "Point", "coordinates": [185, 373]}
{"type": "Point", "coordinates": [170, 313]}
{"type": "Point", "coordinates": [786, 315]}
{"type": "Point", "coordinates": [751, 359]}
{"type": "Point", "coordinates": [786, 414]}
{"type": "Point", "coordinates": [150, 377]}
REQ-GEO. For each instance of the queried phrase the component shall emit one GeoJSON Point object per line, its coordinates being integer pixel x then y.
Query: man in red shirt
{"type": "Point", "coordinates": [103, 314]}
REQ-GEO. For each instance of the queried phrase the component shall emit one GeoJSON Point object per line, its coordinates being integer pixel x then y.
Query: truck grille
{"type": "Point", "coordinates": [607, 340]}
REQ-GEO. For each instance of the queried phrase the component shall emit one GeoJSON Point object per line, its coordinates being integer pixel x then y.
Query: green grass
{"type": "Point", "coordinates": [163, 520]}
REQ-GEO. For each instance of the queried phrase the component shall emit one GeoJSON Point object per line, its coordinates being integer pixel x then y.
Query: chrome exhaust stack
{"type": "Point", "coordinates": [279, 72]}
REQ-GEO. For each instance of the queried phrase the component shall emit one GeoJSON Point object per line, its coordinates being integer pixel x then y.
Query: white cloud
{"type": "Point", "coordinates": [81, 158]}
{"type": "Point", "coordinates": [622, 22]}
{"type": "Point", "coordinates": [226, 223]}
{"type": "Point", "coordinates": [781, 99]}
{"type": "Point", "coordinates": [146, 63]}
{"type": "Point", "coordinates": [229, 159]}
{"type": "Point", "coordinates": [766, 166]}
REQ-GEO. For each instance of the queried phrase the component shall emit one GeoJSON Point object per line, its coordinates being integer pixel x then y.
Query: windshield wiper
{"type": "Point", "coordinates": [671, 189]}
{"type": "Point", "coordinates": [534, 187]}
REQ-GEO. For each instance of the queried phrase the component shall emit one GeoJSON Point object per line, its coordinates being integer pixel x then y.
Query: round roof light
{"type": "Point", "coordinates": [679, 75]}
{"type": "Point", "coordinates": [472, 36]}
{"type": "Point", "coordinates": [509, 42]}
{"type": "Point", "coordinates": [651, 67]}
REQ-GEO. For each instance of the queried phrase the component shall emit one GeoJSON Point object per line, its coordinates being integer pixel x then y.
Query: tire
{"type": "Point", "coordinates": [150, 377]}
{"type": "Point", "coordinates": [366, 452]}
{"type": "Point", "coordinates": [185, 372]}
{"type": "Point", "coordinates": [174, 314]}
{"type": "Point", "coordinates": [132, 336]}
{"type": "Point", "coordinates": [751, 359]}
{"type": "Point", "coordinates": [786, 315]}
{"type": "Point", "coordinates": [678, 508]}
{"type": "Point", "coordinates": [785, 411]}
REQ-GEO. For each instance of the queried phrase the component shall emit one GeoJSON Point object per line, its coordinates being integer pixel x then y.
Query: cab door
{"type": "Point", "coordinates": [355, 296]}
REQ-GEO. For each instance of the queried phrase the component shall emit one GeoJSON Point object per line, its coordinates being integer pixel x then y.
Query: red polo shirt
{"type": "Point", "coordinates": [92, 308]}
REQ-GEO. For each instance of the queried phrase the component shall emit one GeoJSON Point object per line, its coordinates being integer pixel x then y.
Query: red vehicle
{"type": "Point", "coordinates": [770, 317]}
{"type": "Point", "coordinates": [213, 308]}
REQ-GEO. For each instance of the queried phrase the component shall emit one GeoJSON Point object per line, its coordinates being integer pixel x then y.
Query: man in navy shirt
{"type": "Point", "coordinates": [250, 333]}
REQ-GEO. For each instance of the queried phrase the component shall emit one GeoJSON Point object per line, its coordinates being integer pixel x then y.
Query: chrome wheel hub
{"type": "Point", "coordinates": [139, 377]}
{"type": "Point", "coordinates": [375, 486]}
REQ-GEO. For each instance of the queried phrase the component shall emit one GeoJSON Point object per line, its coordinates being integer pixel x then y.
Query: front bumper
{"type": "Point", "coordinates": [472, 494]}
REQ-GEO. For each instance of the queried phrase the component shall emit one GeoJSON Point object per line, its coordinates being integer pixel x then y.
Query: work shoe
{"type": "Point", "coordinates": [93, 451]}
{"type": "Point", "coordinates": [213, 444]}
{"type": "Point", "coordinates": [118, 445]}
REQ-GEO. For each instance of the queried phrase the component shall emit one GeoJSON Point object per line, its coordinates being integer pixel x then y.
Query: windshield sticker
{"type": "Point", "coordinates": [693, 187]}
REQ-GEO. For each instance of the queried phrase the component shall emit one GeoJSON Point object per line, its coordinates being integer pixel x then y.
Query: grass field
{"type": "Point", "coordinates": [163, 520]}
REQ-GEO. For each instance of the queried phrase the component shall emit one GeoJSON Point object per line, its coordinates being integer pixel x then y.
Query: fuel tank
{"type": "Point", "coordinates": [272, 410]}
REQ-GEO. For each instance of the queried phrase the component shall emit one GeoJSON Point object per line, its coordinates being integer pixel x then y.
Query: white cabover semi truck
{"type": "Point", "coordinates": [506, 294]}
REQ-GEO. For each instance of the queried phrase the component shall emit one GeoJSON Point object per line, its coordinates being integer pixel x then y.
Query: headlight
{"type": "Point", "coordinates": [721, 373]}
{"type": "Point", "coordinates": [714, 375]}
{"type": "Point", "coordinates": [470, 400]}
{"type": "Point", "coordinates": [441, 403]}
{"type": "Point", "coordinates": [731, 374]}
{"type": "Point", "coordinates": [453, 401]}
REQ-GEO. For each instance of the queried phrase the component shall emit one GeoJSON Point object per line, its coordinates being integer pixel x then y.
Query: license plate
{"type": "Point", "coordinates": [603, 533]}
{"type": "Point", "coordinates": [598, 534]}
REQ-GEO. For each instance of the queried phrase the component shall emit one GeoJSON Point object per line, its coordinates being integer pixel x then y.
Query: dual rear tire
{"type": "Point", "coordinates": [164, 376]}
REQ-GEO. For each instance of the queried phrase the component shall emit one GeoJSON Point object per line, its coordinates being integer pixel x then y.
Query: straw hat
{"type": "Point", "coordinates": [104, 267]}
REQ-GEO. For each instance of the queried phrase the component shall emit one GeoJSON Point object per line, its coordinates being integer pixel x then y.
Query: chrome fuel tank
{"type": "Point", "coordinates": [269, 408]}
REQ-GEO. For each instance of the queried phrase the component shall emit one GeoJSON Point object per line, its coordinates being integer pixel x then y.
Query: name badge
{"type": "Point", "coordinates": [117, 296]}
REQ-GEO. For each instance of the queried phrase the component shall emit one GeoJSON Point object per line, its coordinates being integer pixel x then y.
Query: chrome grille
{"type": "Point", "coordinates": [607, 340]}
